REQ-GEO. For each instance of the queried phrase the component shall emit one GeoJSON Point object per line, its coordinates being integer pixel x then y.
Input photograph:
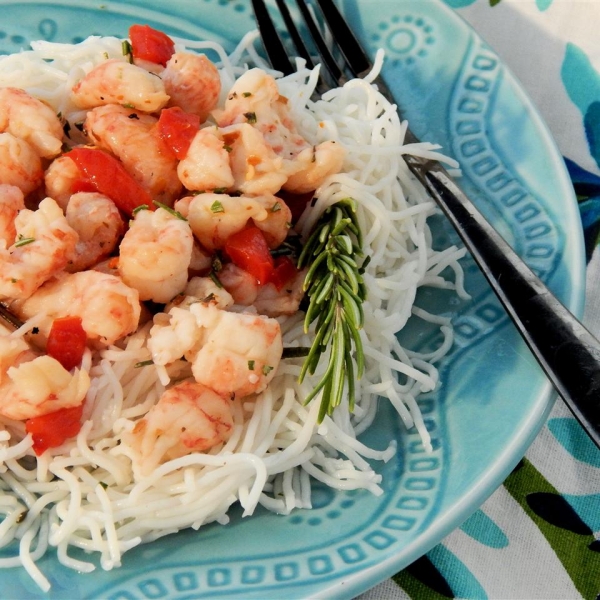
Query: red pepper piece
{"type": "Point", "coordinates": [67, 341]}
{"type": "Point", "coordinates": [51, 430]}
{"type": "Point", "coordinates": [177, 129]}
{"type": "Point", "coordinates": [248, 250]}
{"type": "Point", "coordinates": [150, 44]}
{"type": "Point", "coordinates": [109, 177]}
{"type": "Point", "coordinates": [284, 272]}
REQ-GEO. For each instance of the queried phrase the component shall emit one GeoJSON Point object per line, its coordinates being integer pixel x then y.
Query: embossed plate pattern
{"type": "Point", "coordinates": [493, 399]}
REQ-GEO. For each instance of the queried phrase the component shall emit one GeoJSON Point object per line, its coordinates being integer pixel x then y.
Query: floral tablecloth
{"type": "Point", "coordinates": [538, 535]}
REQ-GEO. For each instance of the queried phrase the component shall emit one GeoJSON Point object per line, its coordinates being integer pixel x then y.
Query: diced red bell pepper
{"type": "Point", "coordinates": [150, 44]}
{"type": "Point", "coordinates": [109, 177]}
{"type": "Point", "coordinates": [51, 430]}
{"type": "Point", "coordinates": [82, 185]}
{"type": "Point", "coordinates": [67, 341]}
{"type": "Point", "coordinates": [284, 272]}
{"type": "Point", "coordinates": [177, 129]}
{"type": "Point", "coordinates": [248, 250]}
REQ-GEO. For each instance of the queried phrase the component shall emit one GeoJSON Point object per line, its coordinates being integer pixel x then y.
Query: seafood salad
{"type": "Point", "coordinates": [153, 207]}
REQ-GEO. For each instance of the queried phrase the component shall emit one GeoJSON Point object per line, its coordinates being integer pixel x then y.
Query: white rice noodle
{"type": "Point", "coordinates": [88, 495]}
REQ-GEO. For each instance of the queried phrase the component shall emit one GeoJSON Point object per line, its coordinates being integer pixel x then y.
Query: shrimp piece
{"type": "Point", "coordinates": [132, 137]}
{"type": "Point", "coordinates": [266, 299]}
{"type": "Point", "coordinates": [173, 334]}
{"type": "Point", "coordinates": [214, 217]}
{"type": "Point", "coordinates": [32, 385]}
{"type": "Point", "coordinates": [238, 353]}
{"type": "Point", "coordinates": [59, 179]}
{"type": "Point", "coordinates": [155, 254]}
{"type": "Point", "coordinates": [278, 221]}
{"type": "Point", "coordinates": [108, 308]}
{"type": "Point", "coordinates": [256, 168]}
{"type": "Point", "coordinates": [206, 164]}
{"type": "Point", "coordinates": [44, 245]}
{"type": "Point", "coordinates": [231, 353]}
{"type": "Point", "coordinates": [242, 286]}
{"type": "Point", "coordinates": [11, 202]}
{"type": "Point", "coordinates": [176, 332]}
{"type": "Point", "coordinates": [20, 164]}
{"type": "Point", "coordinates": [202, 289]}
{"type": "Point", "coordinates": [254, 93]}
{"type": "Point", "coordinates": [118, 82]}
{"type": "Point", "coordinates": [305, 168]}
{"type": "Point", "coordinates": [254, 99]}
{"type": "Point", "coordinates": [188, 417]}
{"type": "Point", "coordinates": [31, 120]}
{"type": "Point", "coordinates": [313, 166]}
{"type": "Point", "coordinates": [193, 83]}
{"type": "Point", "coordinates": [201, 261]}
{"type": "Point", "coordinates": [274, 303]}
{"type": "Point", "coordinates": [99, 225]}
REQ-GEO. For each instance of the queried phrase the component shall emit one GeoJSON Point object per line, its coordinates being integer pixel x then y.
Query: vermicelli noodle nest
{"type": "Point", "coordinates": [88, 493]}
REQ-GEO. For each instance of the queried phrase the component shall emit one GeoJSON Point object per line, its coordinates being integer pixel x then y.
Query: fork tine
{"type": "Point", "coordinates": [324, 52]}
{"type": "Point", "coordinates": [356, 59]}
{"type": "Point", "coordinates": [7, 315]}
{"type": "Point", "coordinates": [295, 34]}
{"type": "Point", "coordinates": [275, 50]}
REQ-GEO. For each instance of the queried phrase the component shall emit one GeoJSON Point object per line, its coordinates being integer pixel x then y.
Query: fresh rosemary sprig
{"type": "Point", "coordinates": [336, 291]}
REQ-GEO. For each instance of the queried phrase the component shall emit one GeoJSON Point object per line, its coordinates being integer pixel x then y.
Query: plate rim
{"type": "Point", "coordinates": [364, 579]}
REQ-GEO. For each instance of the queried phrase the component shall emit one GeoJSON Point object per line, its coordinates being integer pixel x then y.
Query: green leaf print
{"type": "Point", "coordinates": [526, 484]}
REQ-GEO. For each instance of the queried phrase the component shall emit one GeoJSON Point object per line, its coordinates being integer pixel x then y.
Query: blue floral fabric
{"type": "Point", "coordinates": [538, 535]}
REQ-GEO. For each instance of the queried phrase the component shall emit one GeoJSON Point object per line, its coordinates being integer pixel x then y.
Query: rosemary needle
{"type": "Point", "coordinates": [336, 291]}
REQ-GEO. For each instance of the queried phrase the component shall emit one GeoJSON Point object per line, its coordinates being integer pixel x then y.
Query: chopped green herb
{"type": "Point", "coordinates": [247, 94]}
{"type": "Point", "coordinates": [276, 207]}
{"type": "Point", "coordinates": [215, 279]}
{"type": "Point", "coordinates": [266, 370]}
{"type": "Point", "coordinates": [251, 365]}
{"type": "Point", "coordinates": [208, 298]}
{"type": "Point", "coordinates": [227, 148]}
{"type": "Point", "coordinates": [67, 129]}
{"type": "Point", "coordinates": [137, 209]}
{"type": "Point", "coordinates": [143, 363]}
{"type": "Point", "coordinates": [127, 50]}
{"type": "Point", "coordinates": [250, 117]}
{"type": "Point", "coordinates": [217, 207]}
{"type": "Point", "coordinates": [220, 190]}
{"type": "Point", "coordinates": [23, 241]}
{"type": "Point", "coordinates": [216, 264]}
{"type": "Point", "coordinates": [170, 210]}
{"type": "Point", "coordinates": [105, 54]}
{"type": "Point", "coordinates": [79, 126]}
{"type": "Point", "coordinates": [128, 105]}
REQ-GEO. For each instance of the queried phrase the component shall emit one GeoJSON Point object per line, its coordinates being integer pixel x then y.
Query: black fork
{"type": "Point", "coordinates": [568, 353]}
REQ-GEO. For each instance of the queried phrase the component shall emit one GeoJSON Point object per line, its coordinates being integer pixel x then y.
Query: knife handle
{"type": "Point", "coordinates": [567, 352]}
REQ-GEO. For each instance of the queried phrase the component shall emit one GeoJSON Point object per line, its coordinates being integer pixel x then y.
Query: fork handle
{"type": "Point", "coordinates": [567, 352]}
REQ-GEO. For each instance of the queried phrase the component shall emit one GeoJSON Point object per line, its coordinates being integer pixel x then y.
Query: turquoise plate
{"type": "Point", "coordinates": [493, 400]}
